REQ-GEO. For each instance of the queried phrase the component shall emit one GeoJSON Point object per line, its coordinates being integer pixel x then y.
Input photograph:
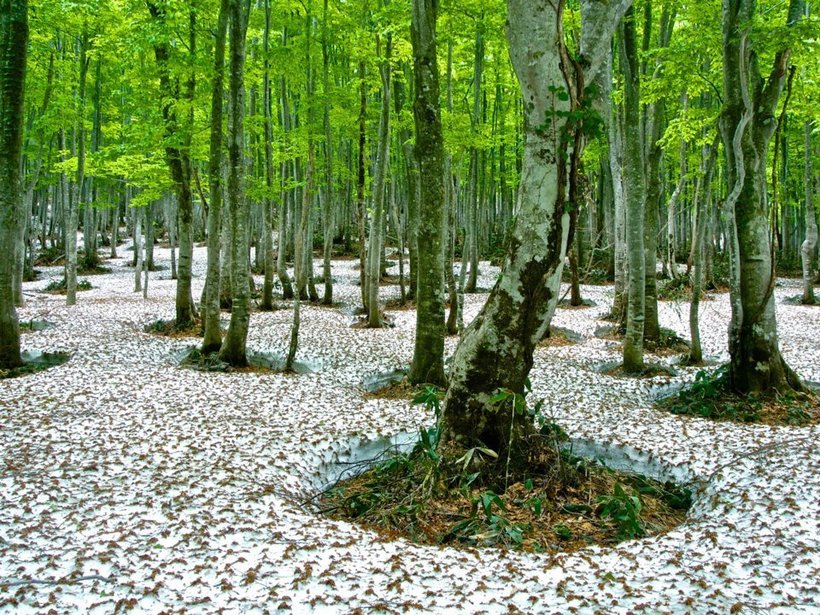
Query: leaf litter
{"type": "Point", "coordinates": [129, 484]}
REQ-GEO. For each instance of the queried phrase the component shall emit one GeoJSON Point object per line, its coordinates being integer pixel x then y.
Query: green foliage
{"type": "Point", "coordinates": [60, 285]}
{"type": "Point", "coordinates": [624, 509]}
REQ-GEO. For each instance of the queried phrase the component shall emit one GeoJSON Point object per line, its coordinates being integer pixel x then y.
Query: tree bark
{"type": "Point", "coordinates": [13, 44]}
{"type": "Point", "coordinates": [747, 125]}
{"type": "Point", "coordinates": [374, 247]}
{"type": "Point", "coordinates": [704, 195]}
{"type": "Point", "coordinates": [809, 243]}
{"type": "Point", "coordinates": [635, 196]}
{"type": "Point", "coordinates": [212, 340]}
{"type": "Point", "coordinates": [179, 161]}
{"type": "Point", "coordinates": [497, 348]}
{"type": "Point", "coordinates": [234, 346]}
{"type": "Point", "coordinates": [73, 214]}
{"type": "Point", "coordinates": [428, 354]}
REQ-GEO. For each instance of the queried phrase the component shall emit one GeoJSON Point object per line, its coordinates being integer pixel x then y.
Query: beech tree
{"type": "Point", "coordinates": [428, 356]}
{"type": "Point", "coordinates": [747, 125]}
{"type": "Point", "coordinates": [497, 348]}
{"type": "Point", "coordinates": [13, 45]}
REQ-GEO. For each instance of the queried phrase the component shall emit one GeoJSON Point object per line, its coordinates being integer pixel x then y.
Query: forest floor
{"type": "Point", "coordinates": [128, 483]}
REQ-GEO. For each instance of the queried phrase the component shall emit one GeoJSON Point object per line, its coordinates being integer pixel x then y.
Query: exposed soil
{"type": "Point", "coordinates": [398, 390]}
{"type": "Point", "coordinates": [168, 328]}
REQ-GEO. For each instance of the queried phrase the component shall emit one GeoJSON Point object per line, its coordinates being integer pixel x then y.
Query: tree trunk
{"type": "Point", "coordinates": [497, 348]}
{"type": "Point", "coordinates": [374, 246]}
{"type": "Point", "coordinates": [138, 215]}
{"type": "Point", "coordinates": [72, 219]}
{"type": "Point", "coordinates": [234, 347]}
{"type": "Point", "coordinates": [360, 183]}
{"type": "Point", "coordinates": [212, 340]}
{"type": "Point", "coordinates": [809, 243]}
{"type": "Point", "coordinates": [428, 354]}
{"type": "Point", "coordinates": [635, 194]}
{"type": "Point", "coordinates": [179, 161]}
{"type": "Point", "coordinates": [13, 42]}
{"type": "Point", "coordinates": [327, 204]}
{"type": "Point", "coordinates": [473, 204]}
{"type": "Point", "coordinates": [746, 126]}
{"type": "Point", "coordinates": [703, 196]}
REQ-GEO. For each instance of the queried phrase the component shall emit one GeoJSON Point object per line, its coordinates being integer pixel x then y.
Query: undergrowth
{"type": "Point", "coordinates": [710, 396]}
{"type": "Point", "coordinates": [554, 501]}
{"type": "Point", "coordinates": [59, 286]}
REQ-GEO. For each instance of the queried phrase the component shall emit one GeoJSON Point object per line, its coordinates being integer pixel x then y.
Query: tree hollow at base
{"type": "Point", "coordinates": [553, 503]}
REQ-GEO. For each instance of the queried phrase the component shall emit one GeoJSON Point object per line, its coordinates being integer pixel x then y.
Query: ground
{"type": "Point", "coordinates": [134, 484]}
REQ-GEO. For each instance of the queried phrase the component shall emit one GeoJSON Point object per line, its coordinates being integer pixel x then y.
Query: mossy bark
{"type": "Point", "coordinates": [747, 125]}
{"type": "Point", "coordinates": [428, 355]}
{"type": "Point", "coordinates": [13, 41]}
{"type": "Point", "coordinates": [497, 348]}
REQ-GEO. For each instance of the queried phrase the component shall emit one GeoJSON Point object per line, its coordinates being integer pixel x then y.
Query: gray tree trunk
{"type": "Point", "coordinates": [234, 346]}
{"type": "Point", "coordinates": [376, 239]}
{"type": "Point", "coordinates": [212, 340]}
{"type": "Point", "coordinates": [746, 126]}
{"type": "Point", "coordinates": [13, 42]}
{"type": "Point", "coordinates": [702, 195]}
{"type": "Point", "coordinates": [179, 161]}
{"type": "Point", "coordinates": [73, 215]}
{"type": "Point", "coordinates": [635, 195]}
{"type": "Point", "coordinates": [497, 348]}
{"type": "Point", "coordinates": [810, 242]}
{"type": "Point", "coordinates": [428, 354]}
{"type": "Point", "coordinates": [328, 222]}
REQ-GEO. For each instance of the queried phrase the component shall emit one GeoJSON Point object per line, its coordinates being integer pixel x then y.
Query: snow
{"type": "Point", "coordinates": [170, 490]}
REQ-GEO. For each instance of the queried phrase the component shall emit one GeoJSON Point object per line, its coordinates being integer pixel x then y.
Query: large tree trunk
{"type": "Point", "coordinates": [13, 42]}
{"type": "Point", "coordinates": [654, 153]}
{"type": "Point", "coordinates": [747, 125]}
{"type": "Point", "coordinates": [233, 348]}
{"type": "Point", "coordinates": [428, 355]}
{"type": "Point", "coordinates": [809, 243]}
{"type": "Point", "coordinates": [212, 340]}
{"type": "Point", "coordinates": [635, 193]}
{"type": "Point", "coordinates": [497, 348]}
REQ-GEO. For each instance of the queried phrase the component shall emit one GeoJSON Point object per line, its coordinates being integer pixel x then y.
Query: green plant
{"type": "Point", "coordinates": [624, 509]}
{"type": "Point", "coordinates": [60, 285]}
{"type": "Point", "coordinates": [562, 531]}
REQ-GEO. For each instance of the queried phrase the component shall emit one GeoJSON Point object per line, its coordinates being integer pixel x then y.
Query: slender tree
{"type": "Point", "coordinates": [13, 45]}
{"type": "Point", "coordinates": [177, 153]}
{"type": "Point", "coordinates": [635, 193]}
{"type": "Point", "coordinates": [212, 340]}
{"type": "Point", "coordinates": [428, 355]}
{"type": "Point", "coordinates": [810, 241]}
{"type": "Point", "coordinates": [234, 347]}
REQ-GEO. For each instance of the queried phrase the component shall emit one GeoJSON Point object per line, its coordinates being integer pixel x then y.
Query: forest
{"type": "Point", "coordinates": [489, 306]}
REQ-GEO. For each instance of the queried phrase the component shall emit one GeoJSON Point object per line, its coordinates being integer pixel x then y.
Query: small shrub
{"type": "Point", "coordinates": [624, 509]}
{"type": "Point", "coordinates": [60, 286]}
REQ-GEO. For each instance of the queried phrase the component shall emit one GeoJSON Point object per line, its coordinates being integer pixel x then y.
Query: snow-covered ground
{"type": "Point", "coordinates": [140, 486]}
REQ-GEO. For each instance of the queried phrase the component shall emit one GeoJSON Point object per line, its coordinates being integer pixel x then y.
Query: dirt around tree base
{"type": "Point", "coordinates": [710, 397]}
{"type": "Point", "coordinates": [169, 328]}
{"type": "Point", "coordinates": [563, 504]}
